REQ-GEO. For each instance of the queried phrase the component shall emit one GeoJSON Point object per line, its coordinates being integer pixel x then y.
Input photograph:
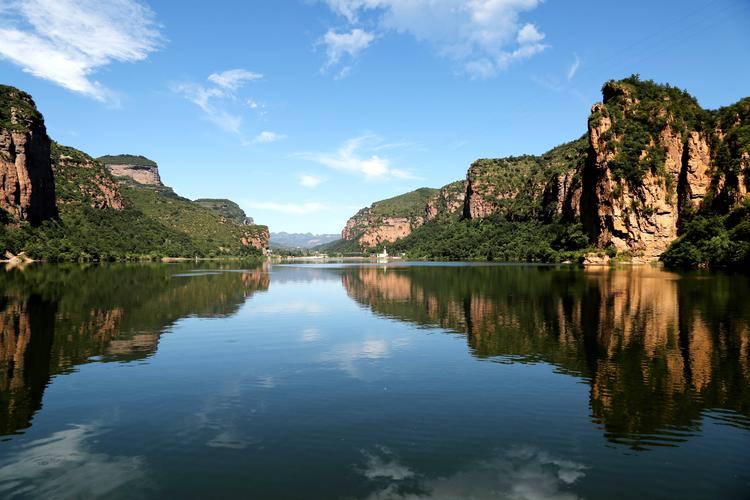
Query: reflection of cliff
{"type": "Point", "coordinates": [54, 318]}
{"type": "Point", "coordinates": [656, 349]}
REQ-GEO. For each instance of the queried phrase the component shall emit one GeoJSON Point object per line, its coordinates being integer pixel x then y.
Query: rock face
{"type": "Point", "coordinates": [27, 186]}
{"type": "Point", "coordinates": [449, 200]}
{"type": "Point", "coordinates": [142, 174]}
{"type": "Point", "coordinates": [258, 238]}
{"type": "Point", "coordinates": [525, 187]}
{"type": "Point", "coordinates": [650, 164]}
{"type": "Point", "coordinates": [385, 230]}
{"type": "Point", "coordinates": [388, 220]}
{"type": "Point", "coordinates": [81, 179]}
{"type": "Point", "coordinates": [138, 168]}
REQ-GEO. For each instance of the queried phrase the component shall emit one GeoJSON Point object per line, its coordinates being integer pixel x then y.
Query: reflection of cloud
{"type": "Point", "coordinates": [311, 335]}
{"type": "Point", "coordinates": [301, 307]}
{"type": "Point", "coordinates": [522, 473]}
{"type": "Point", "coordinates": [62, 466]}
{"type": "Point", "coordinates": [383, 464]}
{"type": "Point", "coordinates": [232, 439]}
{"type": "Point", "coordinates": [267, 382]}
{"type": "Point", "coordinates": [347, 356]}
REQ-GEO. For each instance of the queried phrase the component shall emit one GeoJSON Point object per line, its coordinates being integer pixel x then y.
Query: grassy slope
{"type": "Point", "coordinates": [409, 204]}
{"type": "Point", "coordinates": [211, 235]}
{"type": "Point", "coordinates": [224, 208]}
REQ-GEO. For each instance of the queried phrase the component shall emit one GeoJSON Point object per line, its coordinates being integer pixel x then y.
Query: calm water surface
{"type": "Point", "coordinates": [398, 381]}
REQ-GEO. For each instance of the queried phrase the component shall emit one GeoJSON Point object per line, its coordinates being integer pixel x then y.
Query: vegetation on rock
{"type": "Point", "coordinates": [126, 159]}
{"type": "Point", "coordinates": [227, 209]}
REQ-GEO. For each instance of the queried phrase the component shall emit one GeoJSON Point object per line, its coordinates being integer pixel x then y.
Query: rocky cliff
{"type": "Point", "coordinates": [655, 159]}
{"type": "Point", "coordinates": [81, 179]}
{"type": "Point", "coordinates": [526, 187]}
{"type": "Point", "coordinates": [138, 168]}
{"type": "Point", "coordinates": [389, 220]}
{"type": "Point", "coordinates": [27, 187]}
{"type": "Point", "coordinates": [449, 200]}
{"type": "Point", "coordinates": [650, 161]}
{"type": "Point", "coordinates": [256, 237]}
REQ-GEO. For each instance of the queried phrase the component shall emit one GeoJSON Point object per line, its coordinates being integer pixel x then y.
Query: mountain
{"type": "Point", "coordinates": [136, 167]}
{"type": "Point", "coordinates": [655, 177]}
{"type": "Point", "coordinates": [227, 209]}
{"type": "Point", "coordinates": [300, 240]}
{"type": "Point", "coordinates": [388, 220]}
{"type": "Point", "coordinates": [27, 187]}
{"type": "Point", "coordinates": [58, 203]}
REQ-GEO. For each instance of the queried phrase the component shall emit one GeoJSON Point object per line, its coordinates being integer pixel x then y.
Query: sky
{"type": "Point", "coordinates": [305, 111]}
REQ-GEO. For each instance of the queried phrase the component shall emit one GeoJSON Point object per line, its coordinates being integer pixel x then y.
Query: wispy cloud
{"type": "Point", "coordinates": [67, 41]}
{"type": "Point", "coordinates": [349, 44]}
{"type": "Point", "coordinates": [234, 78]}
{"type": "Point", "coordinates": [482, 36]}
{"type": "Point", "coordinates": [356, 156]}
{"type": "Point", "coordinates": [310, 181]}
{"type": "Point", "coordinates": [289, 208]}
{"type": "Point", "coordinates": [214, 97]}
{"type": "Point", "coordinates": [573, 69]}
{"type": "Point", "coordinates": [265, 137]}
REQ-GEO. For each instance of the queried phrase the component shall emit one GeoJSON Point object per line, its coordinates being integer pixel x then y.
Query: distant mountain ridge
{"type": "Point", "coordinates": [300, 240]}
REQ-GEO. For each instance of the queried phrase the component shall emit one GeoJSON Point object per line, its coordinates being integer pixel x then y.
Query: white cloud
{"type": "Point", "coordinates": [265, 137]}
{"type": "Point", "coordinates": [214, 97]}
{"type": "Point", "coordinates": [206, 98]}
{"type": "Point", "coordinates": [339, 45]}
{"type": "Point", "coordinates": [234, 78]}
{"type": "Point", "coordinates": [66, 41]}
{"type": "Point", "coordinates": [529, 35]}
{"type": "Point", "coordinates": [310, 181]}
{"type": "Point", "coordinates": [289, 208]}
{"type": "Point", "coordinates": [349, 158]}
{"type": "Point", "coordinates": [482, 36]}
{"type": "Point", "coordinates": [574, 67]}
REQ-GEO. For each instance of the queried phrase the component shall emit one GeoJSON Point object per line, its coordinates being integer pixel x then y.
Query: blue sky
{"type": "Point", "coordinates": [304, 111]}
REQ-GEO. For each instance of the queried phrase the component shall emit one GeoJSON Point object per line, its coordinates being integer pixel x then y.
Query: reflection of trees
{"type": "Point", "coordinates": [53, 318]}
{"type": "Point", "coordinates": [657, 349]}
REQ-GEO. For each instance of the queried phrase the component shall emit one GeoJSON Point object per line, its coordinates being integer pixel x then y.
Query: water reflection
{"type": "Point", "coordinates": [520, 473]}
{"type": "Point", "coordinates": [54, 318]}
{"type": "Point", "coordinates": [657, 349]}
{"type": "Point", "coordinates": [660, 352]}
{"type": "Point", "coordinates": [63, 466]}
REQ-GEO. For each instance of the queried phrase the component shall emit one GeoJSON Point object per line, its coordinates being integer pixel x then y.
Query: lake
{"type": "Point", "coordinates": [373, 381]}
